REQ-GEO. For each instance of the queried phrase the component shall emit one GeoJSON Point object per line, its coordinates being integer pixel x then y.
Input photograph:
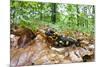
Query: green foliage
{"type": "Point", "coordinates": [68, 16]}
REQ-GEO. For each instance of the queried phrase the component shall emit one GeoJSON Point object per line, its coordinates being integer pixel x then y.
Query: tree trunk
{"type": "Point", "coordinates": [41, 11]}
{"type": "Point", "coordinates": [93, 13]}
{"type": "Point", "coordinates": [53, 10]}
{"type": "Point", "coordinates": [77, 8]}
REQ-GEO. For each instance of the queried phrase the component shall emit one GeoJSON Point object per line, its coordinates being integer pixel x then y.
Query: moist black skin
{"type": "Point", "coordinates": [62, 41]}
{"type": "Point", "coordinates": [66, 42]}
{"type": "Point", "coordinates": [49, 32]}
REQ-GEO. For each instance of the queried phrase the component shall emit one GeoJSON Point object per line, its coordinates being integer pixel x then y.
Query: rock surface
{"type": "Point", "coordinates": [40, 52]}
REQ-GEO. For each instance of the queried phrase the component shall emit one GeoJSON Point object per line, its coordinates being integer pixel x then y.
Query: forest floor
{"type": "Point", "coordinates": [39, 51]}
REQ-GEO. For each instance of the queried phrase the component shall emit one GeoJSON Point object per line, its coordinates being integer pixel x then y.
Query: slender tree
{"type": "Point", "coordinates": [53, 10]}
{"type": "Point", "coordinates": [93, 12]}
{"type": "Point", "coordinates": [77, 8]}
{"type": "Point", "coordinates": [41, 7]}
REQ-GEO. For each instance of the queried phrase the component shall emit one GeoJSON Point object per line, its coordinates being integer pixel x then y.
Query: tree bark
{"type": "Point", "coordinates": [41, 11]}
{"type": "Point", "coordinates": [53, 10]}
{"type": "Point", "coordinates": [77, 8]}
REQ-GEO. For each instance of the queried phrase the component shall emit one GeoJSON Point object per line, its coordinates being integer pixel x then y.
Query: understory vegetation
{"type": "Point", "coordinates": [60, 16]}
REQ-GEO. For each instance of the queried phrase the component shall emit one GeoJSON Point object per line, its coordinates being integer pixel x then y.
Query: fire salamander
{"type": "Point", "coordinates": [60, 40]}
